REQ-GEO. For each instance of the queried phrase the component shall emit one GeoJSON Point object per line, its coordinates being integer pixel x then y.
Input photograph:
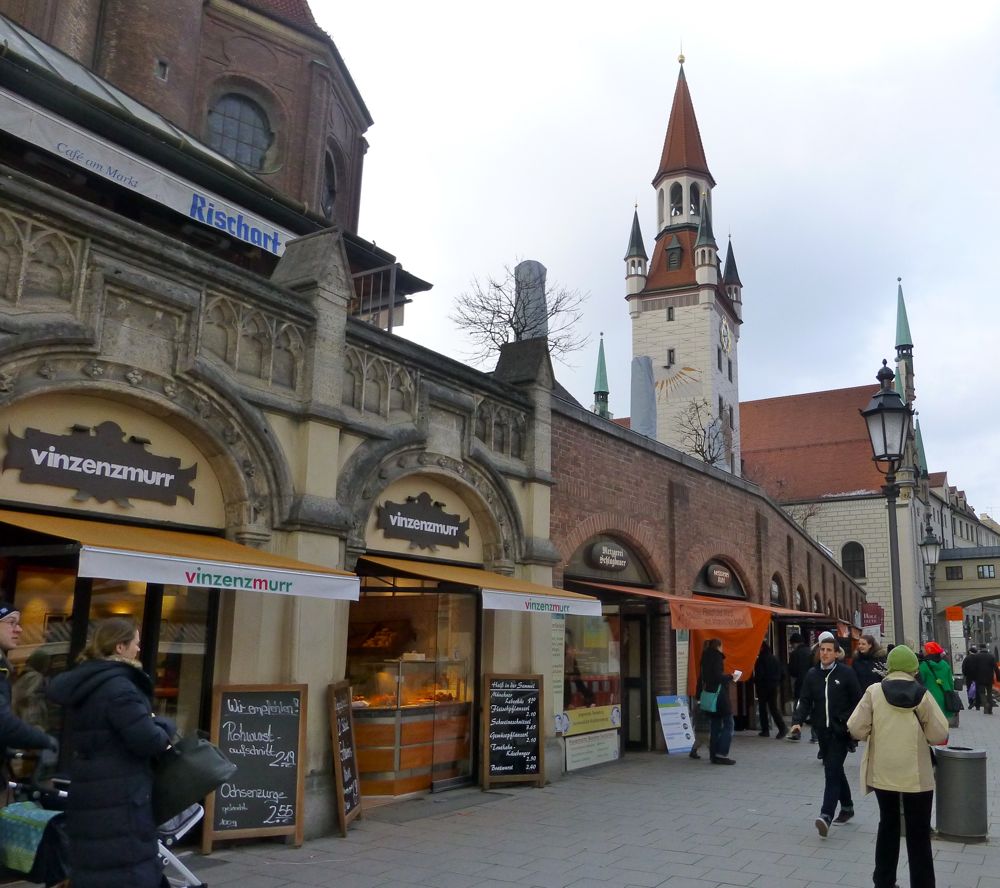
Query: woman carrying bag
{"type": "Point", "coordinates": [714, 699]}
{"type": "Point", "coordinates": [937, 677]}
{"type": "Point", "coordinates": [897, 719]}
{"type": "Point", "coordinates": [114, 740]}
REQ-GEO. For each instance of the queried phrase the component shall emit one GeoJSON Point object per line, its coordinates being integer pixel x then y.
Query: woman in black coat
{"type": "Point", "coordinates": [713, 678]}
{"type": "Point", "coordinates": [868, 662]}
{"type": "Point", "coordinates": [114, 739]}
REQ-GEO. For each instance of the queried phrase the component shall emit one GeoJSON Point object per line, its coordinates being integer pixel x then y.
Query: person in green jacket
{"type": "Point", "coordinates": [935, 674]}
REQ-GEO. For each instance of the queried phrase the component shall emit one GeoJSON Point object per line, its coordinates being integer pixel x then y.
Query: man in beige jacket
{"type": "Point", "coordinates": [897, 719]}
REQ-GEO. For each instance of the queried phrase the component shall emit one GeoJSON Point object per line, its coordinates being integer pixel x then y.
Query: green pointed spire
{"type": "Point", "coordinates": [601, 382]}
{"type": "Point", "coordinates": [903, 337]}
{"type": "Point", "coordinates": [705, 236]}
{"type": "Point", "coordinates": [921, 456]}
{"type": "Point", "coordinates": [636, 248]}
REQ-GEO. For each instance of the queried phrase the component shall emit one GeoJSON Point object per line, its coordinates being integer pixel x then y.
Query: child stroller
{"type": "Point", "coordinates": [33, 836]}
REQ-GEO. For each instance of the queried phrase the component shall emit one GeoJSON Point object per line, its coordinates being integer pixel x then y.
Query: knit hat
{"type": "Point", "coordinates": [902, 659]}
{"type": "Point", "coordinates": [6, 609]}
{"type": "Point", "coordinates": [827, 636]}
{"type": "Point", "coordinates": [932, 647]}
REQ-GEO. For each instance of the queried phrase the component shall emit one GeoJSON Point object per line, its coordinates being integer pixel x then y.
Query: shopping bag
{"type": "Point", "coordinates": [709, 700]}
{"type": "Point", "coordinates": [953, 701]}
{"type": "Point", "coordinates": [186, 773]}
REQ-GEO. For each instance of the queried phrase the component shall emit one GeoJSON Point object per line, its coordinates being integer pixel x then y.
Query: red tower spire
{"type": "Point", "coordinates": [682, 148]}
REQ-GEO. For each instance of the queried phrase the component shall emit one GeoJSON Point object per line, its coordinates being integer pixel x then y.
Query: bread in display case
{"type": "Point", "coordinates": [408, 681]}
{"type": "Point", "coordinates": [412, 722]}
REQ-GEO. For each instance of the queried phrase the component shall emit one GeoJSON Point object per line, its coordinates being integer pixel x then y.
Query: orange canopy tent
{"type": "Point", "coordinates": [741, 625]}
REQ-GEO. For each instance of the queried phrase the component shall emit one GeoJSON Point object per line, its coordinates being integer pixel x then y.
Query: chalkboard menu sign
{"type": "Point", "coordinates": [345, 757]}
{"type": "Point", "coordinates": [513, 742]}
{"type": "Point", "coordinates": [261, 728]}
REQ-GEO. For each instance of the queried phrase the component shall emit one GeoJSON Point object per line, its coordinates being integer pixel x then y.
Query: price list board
{"type": "Point", "coordinates": [262, 730]}
{"type": "Point", "coordinates": [345, 756]}
{"type": "Point", "coordinates": [513, 742]}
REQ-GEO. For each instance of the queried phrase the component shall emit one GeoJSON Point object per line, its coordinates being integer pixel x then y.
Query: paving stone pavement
{"type": "Point", "coordinates": [648, 820]}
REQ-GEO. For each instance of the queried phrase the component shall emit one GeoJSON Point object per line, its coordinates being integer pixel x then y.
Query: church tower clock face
{"type": "Point", "coordinates": [726, 337]}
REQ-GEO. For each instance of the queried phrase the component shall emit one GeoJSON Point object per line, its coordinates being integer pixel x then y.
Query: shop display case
{"type": "Point", "coordinates": [412, 722]}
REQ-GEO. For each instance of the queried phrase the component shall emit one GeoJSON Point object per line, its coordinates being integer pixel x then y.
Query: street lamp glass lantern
{"type": "Point", "coordinates": [888, 420]}
{"type": "Point", "coordinates": [930, 548]}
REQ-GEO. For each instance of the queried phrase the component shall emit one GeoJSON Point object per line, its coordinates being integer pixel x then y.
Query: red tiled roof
{"type": "Point", "coordinates": [624, 421]}
{"type": "Point", "coordinates": [805, 447]}
{"type": "Point", "coordinates": [662, 278]}
{"type": "Point", "coordinates": [937, 479]}
{"type": "Point", "coordinates": [682, 148]}
{"type": "Point", "coordinates": [294, 12]}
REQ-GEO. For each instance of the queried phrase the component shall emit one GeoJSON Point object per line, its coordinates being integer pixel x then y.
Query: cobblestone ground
{"type": "Point", "coordinates": [649, 820]}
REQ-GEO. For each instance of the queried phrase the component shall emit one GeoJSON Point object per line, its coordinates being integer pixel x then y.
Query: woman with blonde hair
{"type": "Point", "coordinates": [114, 739]}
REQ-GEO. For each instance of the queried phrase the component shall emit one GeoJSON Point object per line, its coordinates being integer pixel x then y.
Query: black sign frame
{"type": "Point", "coordinates": [211, 833]}
{"type": "Point", "coordinates": [346, 777]}
{"type": "Point", "coordinates": [526, 684]}
{"type": "Point", "coordinates": [422, 522]}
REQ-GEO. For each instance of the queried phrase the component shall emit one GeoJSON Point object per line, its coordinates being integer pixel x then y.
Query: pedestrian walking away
{"type": "Point", "coordinates": [829, 694]}
{"type": "Point", "coordinates": [800, 661]}
{"type": "Point", "coordinates": [981, 667]}
{"type": "Point", "coordinates": [715, 680]}
{"type": "Point", "coordinates": [897, 765]}
{"type": "Point", "coordinates": [869, 662]}
{"type": "Point", "coordinates": [935, 674]}
{"type": "Point", "coordinates": [114, 739]}
{"type": "Point", "coordinates": [767, 674]}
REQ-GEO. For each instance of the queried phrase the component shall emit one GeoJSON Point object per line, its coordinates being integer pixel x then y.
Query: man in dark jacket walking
{"type": "Point", "coordinates": [830, 693]}
{"type": "Point", "coordinates": [981, 668]}
{"type": "Point", "coordinates": [767, 682]}
{"type": "Point", "coordinates": [15, 733]}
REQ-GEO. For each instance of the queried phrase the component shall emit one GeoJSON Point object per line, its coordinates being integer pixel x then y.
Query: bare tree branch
{"type": "Point", "coordinates": [489, 314]}
{"type": "Point", "coordinates": [702, 432]}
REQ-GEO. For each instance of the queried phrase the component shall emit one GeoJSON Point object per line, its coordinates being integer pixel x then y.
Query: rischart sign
{"type": "Point", "coordinates": [98, 463]}
{"type": "Point", "coordinates": [422, 522]}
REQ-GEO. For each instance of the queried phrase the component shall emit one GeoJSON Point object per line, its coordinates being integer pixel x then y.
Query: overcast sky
{"type": "Point", "coordinates": [849, 149]}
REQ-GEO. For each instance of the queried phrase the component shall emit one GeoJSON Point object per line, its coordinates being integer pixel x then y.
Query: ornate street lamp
{"type": "Point", "coordinates": [930, 552]}
{"type": "Point", "coordinates": [888, 420]}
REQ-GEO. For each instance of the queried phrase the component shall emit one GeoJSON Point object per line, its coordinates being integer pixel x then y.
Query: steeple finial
{"type": "Point", "coordinates": [601, 384]}
{"type": "Point", "coordinates": [903, 338]}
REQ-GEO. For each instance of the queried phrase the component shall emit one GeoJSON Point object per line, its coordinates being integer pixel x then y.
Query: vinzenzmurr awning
{"type": "Point", "coordinates": [152, 555]}
{"type": "Point", "coordinates": [499, 592]}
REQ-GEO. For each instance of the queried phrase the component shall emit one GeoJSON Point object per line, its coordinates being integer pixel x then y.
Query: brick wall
{"type": "Point", "coordinates": [678, 514]}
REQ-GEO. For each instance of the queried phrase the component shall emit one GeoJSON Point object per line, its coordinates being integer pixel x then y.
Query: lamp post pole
{"type": "Point", "coordinates": [890, 491]}
{"type": "Point", "coordinates": [930, 552]}
{"type": "Point", "coordinates": [888, 421]}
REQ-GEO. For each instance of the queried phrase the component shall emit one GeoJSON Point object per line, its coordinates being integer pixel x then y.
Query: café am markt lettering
{"type": "Point", "coordinates": [97, 462]}
{"type": "Point", "coordinates": [422, 522]}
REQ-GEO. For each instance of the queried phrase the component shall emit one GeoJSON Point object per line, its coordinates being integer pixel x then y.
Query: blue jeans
{"type": "Point", "coordinates": [720, 736]}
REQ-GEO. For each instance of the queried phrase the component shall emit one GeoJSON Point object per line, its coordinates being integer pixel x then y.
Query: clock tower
{"type": "Point", "coordinates": [686, 310]}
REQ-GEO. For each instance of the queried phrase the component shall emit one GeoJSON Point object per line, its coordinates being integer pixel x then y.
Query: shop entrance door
{"type": "Point", "coordinates": [635, 692]}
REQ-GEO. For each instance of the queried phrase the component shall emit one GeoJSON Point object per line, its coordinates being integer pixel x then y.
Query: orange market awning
{"type": "Point", "coordinates": [152, 555]}
{"type": "Point", "coordinates": [499, 592]}
{"type": "Point", "coordinates": [690, 613]}
{"type": "Point", "coordinates": [774, 610]}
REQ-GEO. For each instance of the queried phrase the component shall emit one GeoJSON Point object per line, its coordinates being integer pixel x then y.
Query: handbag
{"type": "Point", "coordinates": [186, 773]}
{"type": "Point", "coordinates": [953, 701]}
{"type": "Point", "coordinates": [709, 700]}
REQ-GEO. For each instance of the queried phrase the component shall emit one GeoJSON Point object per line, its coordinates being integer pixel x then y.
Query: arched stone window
{"type": "Point", "coordinates": [695, 200]}
{"type": "Point", "coordinates": [852, 557]}
{"type": "Point", "coordinates": [800, 598]}
{"type": "Point", "coordinates": [676, 199]}
{"type": "Point", "coordinates": [777, 591]}
{"type": "Point", "coordinates": [329, 195]}
{"type": "Point", "coordinates": [238, 128]}
{"type": "Point", "coordinates": [660, 201]}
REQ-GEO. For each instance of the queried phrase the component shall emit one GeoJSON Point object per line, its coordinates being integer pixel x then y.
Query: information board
{"type": "Point", "coordinates": [262, 730]}
{"type": "Point", "coordinates": [345, 756]}
{"type": "Point", "coordinates": [675, 719]}
{"type": "Point", "coordinates": [513, 744]}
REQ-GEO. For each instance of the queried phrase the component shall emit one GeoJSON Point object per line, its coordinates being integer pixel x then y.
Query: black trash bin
{"type": "Point", "coordinates": [960, 776]}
